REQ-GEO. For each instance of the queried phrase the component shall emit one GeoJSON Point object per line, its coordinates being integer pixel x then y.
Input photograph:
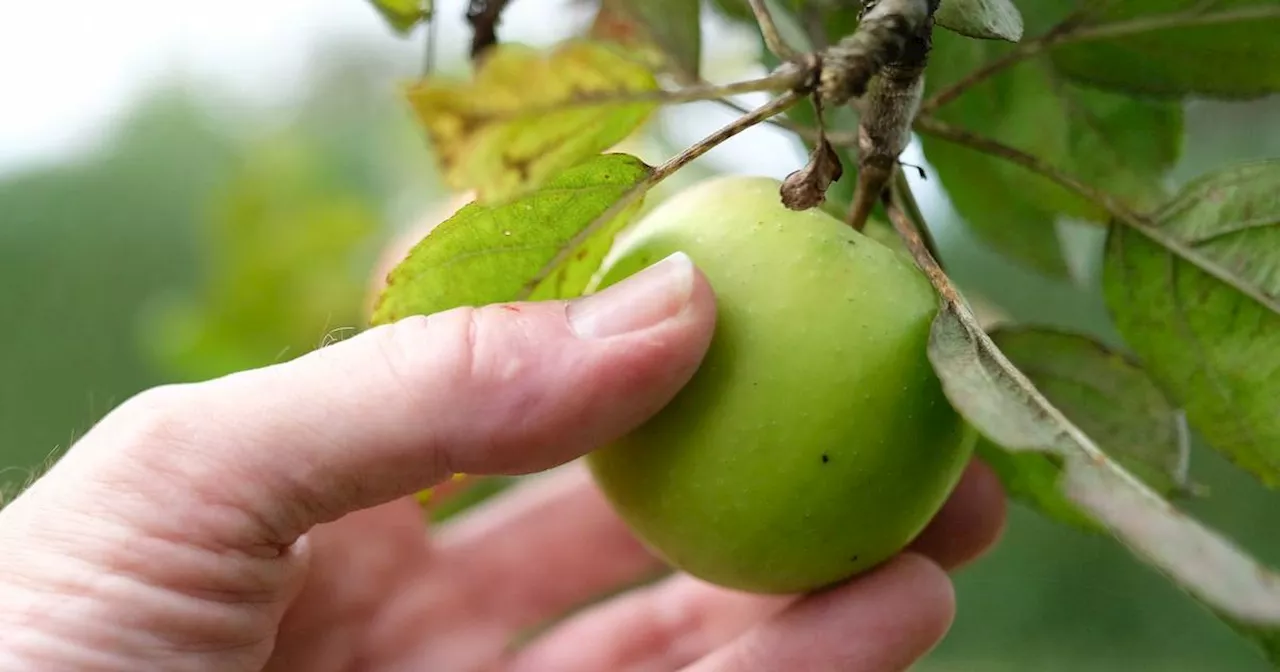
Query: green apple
{"type": "Point", "coordinates": [814, 442]}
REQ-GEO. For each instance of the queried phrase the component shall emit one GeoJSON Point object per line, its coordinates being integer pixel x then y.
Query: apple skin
{"type": "Point", "coordinates": [814, 442]}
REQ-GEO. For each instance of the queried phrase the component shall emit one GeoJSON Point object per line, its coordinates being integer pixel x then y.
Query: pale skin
{"type": "Point", "coordinates": [265, 520]}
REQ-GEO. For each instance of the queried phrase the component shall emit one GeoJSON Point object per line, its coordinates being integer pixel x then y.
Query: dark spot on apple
{"type": "Point", "coordinates": [825, 458]}
{"type": "Point", "coordinates": [853, 559]}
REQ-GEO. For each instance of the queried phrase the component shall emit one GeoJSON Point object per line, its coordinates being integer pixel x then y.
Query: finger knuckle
{"type": "Point", "coordinates": [150, 417]}
{"type": "Point", "coordinates": [464, 351]}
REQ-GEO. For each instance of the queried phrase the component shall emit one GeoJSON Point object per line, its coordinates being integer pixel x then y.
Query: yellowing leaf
{"type": "Point", "coordinates": [528, 116]}
{"type": "Point", "coordinates": [488, 254]}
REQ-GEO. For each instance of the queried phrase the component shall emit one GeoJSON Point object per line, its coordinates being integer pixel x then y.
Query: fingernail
{"type": "Point", "coordinates": [643, 300]}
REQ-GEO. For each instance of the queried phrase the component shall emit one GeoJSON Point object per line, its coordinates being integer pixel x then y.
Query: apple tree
{"type": "Point", "coordinates": [1050, 110]}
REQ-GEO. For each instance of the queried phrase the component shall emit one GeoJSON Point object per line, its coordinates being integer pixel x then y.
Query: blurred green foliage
{"type": "Point", "coordinates": [193, 244]}
{"type": "Point", "coordinates": [203, 237]}
{"type": "Point", "coordinates": [287, 249]}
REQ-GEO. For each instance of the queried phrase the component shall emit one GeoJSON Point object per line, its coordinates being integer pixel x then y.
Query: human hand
{"type": "Point", "coordinates": [265, 520]}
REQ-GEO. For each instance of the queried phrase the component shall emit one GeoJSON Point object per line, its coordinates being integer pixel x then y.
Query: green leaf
{"type": "Point", "coordinates": [487, 254]}
{"type": "Point", "coordinates": [1225, 49]}
{"type": "Point", "coordinates": [1125, 145]}
{"type": "Point", "coordinates": [1108, 397]}
{"type": "Point", "coordinates": [403, 15]}
{"type": "Point", "coordinates": [982, 19]}
{"type": "Point", "coordinates": [673, 27]}
{"type": "Point", "coordinates": [1008, 410]}
{"type": "Point", "coordinates": [1200, 304]}
{"type": "Point", "coordinates": [527, 116]}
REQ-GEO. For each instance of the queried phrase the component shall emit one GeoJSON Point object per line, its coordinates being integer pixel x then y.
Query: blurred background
{"type": "Point", "coordinates": [192, 189]}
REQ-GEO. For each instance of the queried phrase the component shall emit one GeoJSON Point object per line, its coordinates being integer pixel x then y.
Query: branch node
{"type": "Point", "coordinates": [883, 36]}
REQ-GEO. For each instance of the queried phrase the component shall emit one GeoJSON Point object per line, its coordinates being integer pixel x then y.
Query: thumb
{"type": "Point", "coordinates": [513, 388]}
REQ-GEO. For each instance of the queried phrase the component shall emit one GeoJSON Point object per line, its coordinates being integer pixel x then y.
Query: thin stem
{"type": "Point", "coordinates": [911, 235]}
{"type": "Point", "coordinates": [805, 132]}
{"type": "Point", "coordinates": [662, 172]}
{"type": "Point", "coordinates": [900, 191]}
{"type": "Point", "coordinates": [772, 38]}
{"type": "Point", "coordinates": [1187, 19]}
{"type": "Point", "coordinates": [773, 107]}
{"type": "Point", "coordinates": [1120, 212]}
{"type": "Point", "coordinates": [1022, 52]}
{"type": "Point", "coordinates": [484, 15]}
{"type": "Point", "coordinates": [429, 55]}
{"type": "Point", "coordinates": [784, 79]}
{"type": "Point", "coordinates": [961, 136]}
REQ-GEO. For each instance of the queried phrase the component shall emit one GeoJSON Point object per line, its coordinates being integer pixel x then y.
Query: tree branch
{"type": "Point", "coordinates": [1119, 211]}
{"type": "Point", "coordinates": [883, 36]}
{"type": "Point", "coordinates": [888, 110]}
{"type": "Point", "coordinates": [785, 78]}
{"type": "Point", "coordinates": [1188, 19]}
{"type": "Point", "coordinates": [911, 235]}
{"type": "Point", "coordinates": [773, 107]}
{"type": "Point", "coordinates": [805, 132]}
{"type": "Point", "coordinates": [900, 193]}
{"type": "Point", "coordinates": [772, 38]}
{"type": "Point", "coordinates": [961, 136]}
{"type": "Point", "coordinates": [483, 15]}
{"type": "Point", "coordinates": [1022, 52]}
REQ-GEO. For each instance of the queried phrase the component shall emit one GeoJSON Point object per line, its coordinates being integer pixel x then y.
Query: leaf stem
{"type": "Point", "coordinates": [1187, 19]}
{"type": "Point", "coordinates": [1119, 211]}
{"type": "Point", "coordinates": [805, 132]}
{"type": "Point", "coordinates": [662, 172]}
{"type": "Point", "coordinates": [961, 136]}
{"type": "Point", "coordinates": [429, 49]}
{"type": "Point", "coordinates": [911, 234]}
{"type": "Point", "coordinates": [785, 78]}
{"type": "Point", "coordinates": [772, 38]}
{"type": "Point", "coordinates": [1020, 53]}
{"type": "Point", "coordinates": [773, 107]}
{"type": "Point", "coordinates": [484, 15]}
{"type": "Point", "coordinates": [900, 192]}
{"type": "Point", "coordinates": [1190, 555]}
